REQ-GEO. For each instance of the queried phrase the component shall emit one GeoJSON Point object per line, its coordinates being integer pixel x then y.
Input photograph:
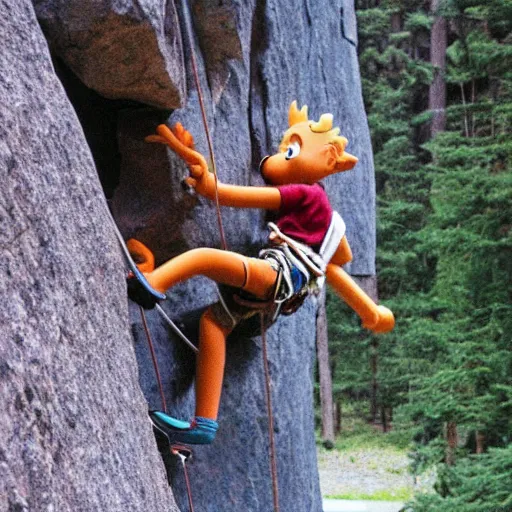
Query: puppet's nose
{"type": "Point", "coordinates": [262, 163]}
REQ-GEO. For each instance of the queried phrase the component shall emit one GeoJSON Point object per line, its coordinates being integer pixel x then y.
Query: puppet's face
{"type": "Point", "coordinates": [308, 152]}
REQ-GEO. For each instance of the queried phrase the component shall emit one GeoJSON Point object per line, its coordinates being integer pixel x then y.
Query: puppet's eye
{"type": "Point", "coordinates": [292, 150]}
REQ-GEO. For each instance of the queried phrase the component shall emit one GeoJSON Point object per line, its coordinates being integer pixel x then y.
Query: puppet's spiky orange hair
{"type": "Point", "coordinates": [296, 116]}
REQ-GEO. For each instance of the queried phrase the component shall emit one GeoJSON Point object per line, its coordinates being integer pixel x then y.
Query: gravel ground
{"type": "Point", "coordinates": [363, 472]}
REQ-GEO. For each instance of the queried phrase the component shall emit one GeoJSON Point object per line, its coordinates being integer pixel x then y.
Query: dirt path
{"type": "Point", "coordinates": [361, 506]}
{"type": "Point", "coordinates": [365, 472]}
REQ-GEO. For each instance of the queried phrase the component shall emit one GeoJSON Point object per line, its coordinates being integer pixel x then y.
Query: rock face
{"type": "Point", "coordinates": [303, 51]}
{"type": "Point", "coordinates": [76, 417]}
{"type": "Point", "coordinates": [75, 435]}
{"type": "Point", "coordinates": [123, 49]}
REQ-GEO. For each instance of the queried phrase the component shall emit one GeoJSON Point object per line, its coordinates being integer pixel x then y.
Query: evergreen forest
{"type": "Point", "coordinates": [437, 85]}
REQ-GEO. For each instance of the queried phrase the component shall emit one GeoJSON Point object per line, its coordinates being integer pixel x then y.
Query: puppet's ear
{"type": "Point", "coordinates": [332, 156]}
{"type": "Point", "coordinates": [346, 162]}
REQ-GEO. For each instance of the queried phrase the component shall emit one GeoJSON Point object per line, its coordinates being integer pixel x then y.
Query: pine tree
{"type": "Point", "coordinates": [444, 244]}
{"type": "Point", "coordinates": [468, 233]}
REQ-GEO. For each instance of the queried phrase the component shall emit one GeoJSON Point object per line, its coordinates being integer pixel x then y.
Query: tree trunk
{"type": "Point", "coordinates": [480, 442]}
{"type": "Point", "coordinates": [396, 22]}
{"type": "Point", "coordinates": [383, 419]}
{"type": "Point", "coordinates": [437, 92]}
{"type": "Point", "coordinates": [463, 96]}
{"type": "Point", "coordinates": [324, 372]}
{"type": "Point", "coordinates": [374, 362]}
{"type": "Point", "coordinates": [369, 285]}
{"type": "Point", "coordinates": [473, 99]}
{"type": "Point", "coordinates": [452, 439]}
{"type": "Point", "coordinates": [337, 419]}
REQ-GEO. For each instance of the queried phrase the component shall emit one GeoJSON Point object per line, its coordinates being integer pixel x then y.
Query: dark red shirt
{"type": "Point", "coordinates": [305, 213]}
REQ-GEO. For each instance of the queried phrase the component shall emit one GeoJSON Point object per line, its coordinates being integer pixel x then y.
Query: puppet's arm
{"type": "Point", "coordinates": [203, 181]}
{"type": "Point", "coordinates": [378, 319]}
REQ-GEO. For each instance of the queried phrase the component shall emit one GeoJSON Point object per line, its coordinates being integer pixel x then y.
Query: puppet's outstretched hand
{"type": "Point", "coordinates": [385, 321]}
{"type": "Point", "coordinates": [182, 143]}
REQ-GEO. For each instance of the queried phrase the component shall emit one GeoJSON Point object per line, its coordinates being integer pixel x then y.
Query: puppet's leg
{"type": "Point", "coordinates": [250, 274]}
{"type": "Point", "coordinates": [253, 275]}
{"type": "Point", "coordinates": [209, 376]}
{"type": "Point", "coordinates": [210, 365]}
{"type": "Point", "coordinates": [225, 267]}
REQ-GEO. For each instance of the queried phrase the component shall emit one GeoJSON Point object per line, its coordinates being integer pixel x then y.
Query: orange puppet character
{"type": "Point", "coordinates": [307, 245]}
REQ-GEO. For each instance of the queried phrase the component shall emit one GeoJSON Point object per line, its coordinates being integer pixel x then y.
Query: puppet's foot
{"type": "Point", "coordinates": [141, 292]}
{"type": "Point", "coordinates": [199, 431]}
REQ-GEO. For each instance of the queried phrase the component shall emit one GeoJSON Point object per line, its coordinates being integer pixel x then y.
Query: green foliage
{"type": "Point", "coordinates": [475, 484]}
{"type": "Point", "coordinates": [417, 21]}
{"type": "Point", "coordinates": [444, 246]}
{"type": "Point", "coordinates": [358, 435]}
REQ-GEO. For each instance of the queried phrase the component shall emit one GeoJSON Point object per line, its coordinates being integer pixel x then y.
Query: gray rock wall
{"type": "Point", "coordinates": [75, 435]}
{"type": "Point", "coordinates": [123, 49]}
{"type": "Point", "coordinates": [255, 57]}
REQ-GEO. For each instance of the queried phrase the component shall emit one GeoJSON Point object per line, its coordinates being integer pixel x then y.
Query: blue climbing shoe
{"type": "Point", "coordinates": [199, 431]}
{"type": "Point", "coordinates": [141, 292]}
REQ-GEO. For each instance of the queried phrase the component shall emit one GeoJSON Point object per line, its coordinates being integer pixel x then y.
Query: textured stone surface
{"type": "Point", "coordinates": [289, 50]}
{"type": "Point", "coordinates": [123, 49]}
{"type": "Point", "coordinates": [75, 435]}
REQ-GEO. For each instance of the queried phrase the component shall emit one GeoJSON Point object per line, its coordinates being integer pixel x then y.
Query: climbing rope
{"type": "Point", "coordinates": [175, 328]}
{"type": "Point", "coordinates": [153, 357]}
{"type": "Point", "coordinates": [193, 60]}
{"type": "Point", "coordinates": [133, 266]}
{"type": "Point", "coordinates": [268, 397]}
{"type": "Point", "coordinates": [174, 449]}
{"type": "Point", "coordinates": [272, 451]}
{"type": "Point", "coordinates": [183, 459]}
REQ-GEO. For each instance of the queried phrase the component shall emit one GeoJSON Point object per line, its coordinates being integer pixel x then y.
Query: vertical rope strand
{"type": "Point", "coordinates": [153, 357]}
{"type": "Point", "coordinates": [187, 483]}
{"type": "Point", "coordinates": [268, 396]}
{"type": "Point", "coordinates": [188, 29]}
{"type": "Point", "coordinates": [176, 450]}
